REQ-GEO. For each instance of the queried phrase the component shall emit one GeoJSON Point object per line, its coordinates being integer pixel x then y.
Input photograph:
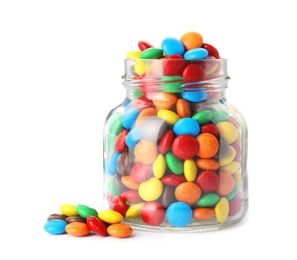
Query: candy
{"type": "Point", "coordinates": [77, 229]}
{"type": "Point", "coordinates": [173, 149]}
{"type": "Point", "coordinates": [152, 213]}
{"type": "Point", "coordinates": [110, 216]}
{"type": "Point", "coordinates": [97, 226]}
{"type": "Point", "coordinates": [55, 226]}
{"type": "Point", "coordinates": [191, 40]}
{"type": "Point", "coordinates": [68, 210]}
{"type": "Point", "coordinates": [85, 211]}
{"type": "Point", "coordinates": [179, 214]}
{"type": "Point", "coordinates": [120, 230]}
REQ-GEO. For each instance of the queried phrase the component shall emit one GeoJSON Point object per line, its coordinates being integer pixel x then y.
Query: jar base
{"type": "Point", "coordinates": [193, 227]}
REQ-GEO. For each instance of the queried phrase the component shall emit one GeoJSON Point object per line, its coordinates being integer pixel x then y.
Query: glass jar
{"type": "Point", "coordinates": [175, 150]}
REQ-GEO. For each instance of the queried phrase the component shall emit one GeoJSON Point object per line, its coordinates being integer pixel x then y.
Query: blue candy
{"type": "Point", "coordinates": [194, 96]}
{"type": "Point", "coordinates": [133, 137]}
{"type": "Point", "coordinates": [55, 226]}
{"type": "Point", "coordinates": [179, 214]}
{"type": "Point", "coordinates": [196, 54]}
{"type": "Point", "coordinates": [172, 46]}
{"type": "Point", "coordinates": [186, 126]}
{"type": "Point", "coordinates": [129, 117]}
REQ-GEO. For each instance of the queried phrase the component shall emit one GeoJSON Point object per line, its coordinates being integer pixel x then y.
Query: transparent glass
{"type": "Point", "coordinates": [175, 150]}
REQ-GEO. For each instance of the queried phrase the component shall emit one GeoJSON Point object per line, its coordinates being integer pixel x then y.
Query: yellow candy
{"type": "Point", "coordinates": [68, 210]}
{"type": "Point", "coordinates": [169, 116]}
{"type": "Point", "coordinates": [139, 67]}
{"type": "Point", "coordinates": [232, 167]}
{"type": "Point", "coordinates": [151, 189]}
{"type": "Point", "coordinates": [228, 131]}
{"type": "Point", "coordinates": [134, 210]}
{"type": "Point", "coordinates": [190, 170]}
{"type": "Point", "coordinates": [238, 179]}
{"type": "Point", "coordinates": [222, 210]}
{"type": "Point", "coordinates": [110, 216]}
{"type": "Point", "coordinates": [133, 54]}
{"type": "Point", "coordinates": [228, 158]}
{"type": "Point", "coordinates": [159, 166]}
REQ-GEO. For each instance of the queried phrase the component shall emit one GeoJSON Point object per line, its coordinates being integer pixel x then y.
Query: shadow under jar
{"type": "Point", "coordinates": [175, 150]}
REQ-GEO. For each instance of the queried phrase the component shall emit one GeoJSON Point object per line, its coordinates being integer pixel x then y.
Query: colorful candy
{"type": "Point", "coordinates": [102, 223]}
{"type": "Point", "coordinates": [173, 151]}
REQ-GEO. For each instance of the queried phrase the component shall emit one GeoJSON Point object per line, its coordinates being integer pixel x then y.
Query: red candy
{"type": "Point", "coordinates": [118, 204]}
{"type": "Point", "coordinates": [174, 65]}
{"type": "Point", "coordinates": [172, 179]}
{"type": "Point", "coordinates": [210, 128]}
{"type": "Point", "coordinates": [208, 181]}
{"type": "Point", "coordinates": [152, 213]}
{"type": "Point", "coordinates": [120, 142]}
{"type": "Point", "coordinates": [166, 141]}
{"type": "Point", "coordinates": [141, 103]}
{"type": "Point", "coordinates": [141, 172]}
{"type": "Point", "coordinates": [193, 73]}
{"type": "Point", "coordinates": [131, 196]}
{"type": "Point", "coordinates": [184, 146]}
{"type": "Point", "coordinates": [143, 45]}
{"type": "Point", "coordinates": [97, 226]}
{"type": "Point", "coordinates": [212, 51]}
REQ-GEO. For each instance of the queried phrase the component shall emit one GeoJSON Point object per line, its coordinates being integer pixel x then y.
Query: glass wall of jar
{"type": "Point", "coordinates": [175, 150]}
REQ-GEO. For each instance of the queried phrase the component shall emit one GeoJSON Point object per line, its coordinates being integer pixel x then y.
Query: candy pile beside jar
{"type": "Point", "coordinates": [175, 150]}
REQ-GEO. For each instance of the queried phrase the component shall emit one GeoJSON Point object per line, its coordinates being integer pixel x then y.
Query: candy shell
{"type": "Point", "coordinates": [152, 213]}
{"type": "Point", "coordinates": [97, 226]}
{"type": "Point", "coordinates": [77, 229]}
{"type": "Point", "coordinates": [55, 226]}
{"type": "Point", "coordinates": [120, 230]}
{"type": "Point", "coordinates": [179, 214]}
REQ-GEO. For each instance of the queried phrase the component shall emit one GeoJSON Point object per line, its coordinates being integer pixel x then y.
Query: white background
{"type": "Point", "coordinates": [61, 64]}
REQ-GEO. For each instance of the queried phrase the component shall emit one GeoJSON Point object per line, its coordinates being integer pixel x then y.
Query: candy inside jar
{"type": "Point", "coordinates": [175, 150]}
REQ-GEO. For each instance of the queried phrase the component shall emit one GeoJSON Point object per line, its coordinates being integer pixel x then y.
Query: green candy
{"type": "Point", "coordinates": [208, 200]}
{"type": "Point", "coordinates": [85, 211]}
{"type": "Point", "coordinates": [219, 116]}
{"type": "Point", "coordinates": [151, 53]}
{"type": "Point", "coordinates": [112, 187]}
{"type": "Point", "coordinates": [203, 117]}
{"type": "Point", "coordinates": [114, 123]}
{"type": "Point", "coordinates": [233, 193]}
{"type": "Point", "coordinates": [172, 84]}
{"type": "Point", "coordinates": [174, 164]}
{"type": "Point", "coordinates": [109, 142]}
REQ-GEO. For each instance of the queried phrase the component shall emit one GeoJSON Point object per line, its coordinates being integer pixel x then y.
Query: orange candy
{"type": "Point", "coordinates": [208, 145]}
{"type": "Point", "coordinates": [188, 192]}
{"type": "Point", "coordinates": [164, 100]}
{"type": "Point", "coordinates": [149, 111]}
{"type": "Point", "coordinates": [207, 164]}
{"type": "Point", "coordinates": [119, 230]}
{"type": "Point", "coordinates": [129, 183]}
{"type": "Point", "coordinates": [191, 40]}
{"type": "Point", "coordinates": [183, 108]}
{"type": "Point", "coordinates": [226, 185]}
{"type": "Point", "coordinates": [77, 229]}
{"type": "Point", "coordinates": [203, 213]}
{"type": "Point", "coordinates": [145, 151]}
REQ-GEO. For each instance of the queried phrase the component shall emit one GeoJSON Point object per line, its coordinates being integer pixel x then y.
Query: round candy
{"type": "Point", "coordinates": [151, 53]}
{"type": "Point", "coordinates": [186, 126]}
{"type": "Point", "coordinates": [188, 192]}
{"type": "Point", "coordinates": [85, 211]}
{"type": "Point", "coordinates": [183, 108]}
{"type": "Point", "coordinates": [68, 210]}
{"type": "Point", "coordinates": [196, 54]}
{"type": "Point", "coordinates": [226, 184]}
{"type": "Point", "coordinates": [208, 181]}
{"type": "Point", "coordinates": [118, 204]}
{"type": "Point", "coordinates": [152, 213]}
{"type": "Point", "coordinates": [191, 40]}
{"type": "Point", "coordinates": [173, 180]}
{"type": "Point", "coordinates": [190, 170]}
{"type": "Point", "coordinates": [203, 213]}
{"type": "Point", "coordinates": [166, 142]}
{"type": "Point", "coordinates": [145, 151]}
{"type": "Point", "coordinates": [222, 210]}
{"type": "Point", "coordinates": [151, 189]}
{"type": "Point", "coordinates": [184, 146]}
{"type": "Point", "coordinates": [179, 214]}
{"type": "Point", "coordinates": [173, 65]}
{"type": "Point", "coordinates": [159, 166]}
{"type": "Point", "coordinates": [143, 45]}
{"type": "Point", "coordinates": [228, 131]}
{"type": "Point", "coordinates": [212, 51]}
{"type": "Point", "coordinates": [173, 162]}
{"type": "Point", "coordinates": [193, 73]}
{"type": "Point", "coordinates": [172, 46]}
{"type": "Point", "coordinates": [97, 226]}
{"type": "Point", "coordinates": [55, 226]}
{"type": "Point", "coordinates": [141, 172]}
{"type": "Point", "coordinates": [208, 200]}
{"type": "Point", "coordinates": [77, 229]}
{"type": "Point", "coordinates": [119, 230]}
{"type": "Point", "coordinates": [110, 216]}
{"type": "Point", "coordinates": [194, 96]}
{"type": "Point", "coordinates": [208, 145]}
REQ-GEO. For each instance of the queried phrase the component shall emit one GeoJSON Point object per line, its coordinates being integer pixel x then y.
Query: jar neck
{"type": "Point", "coordinates": [206, 77]}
